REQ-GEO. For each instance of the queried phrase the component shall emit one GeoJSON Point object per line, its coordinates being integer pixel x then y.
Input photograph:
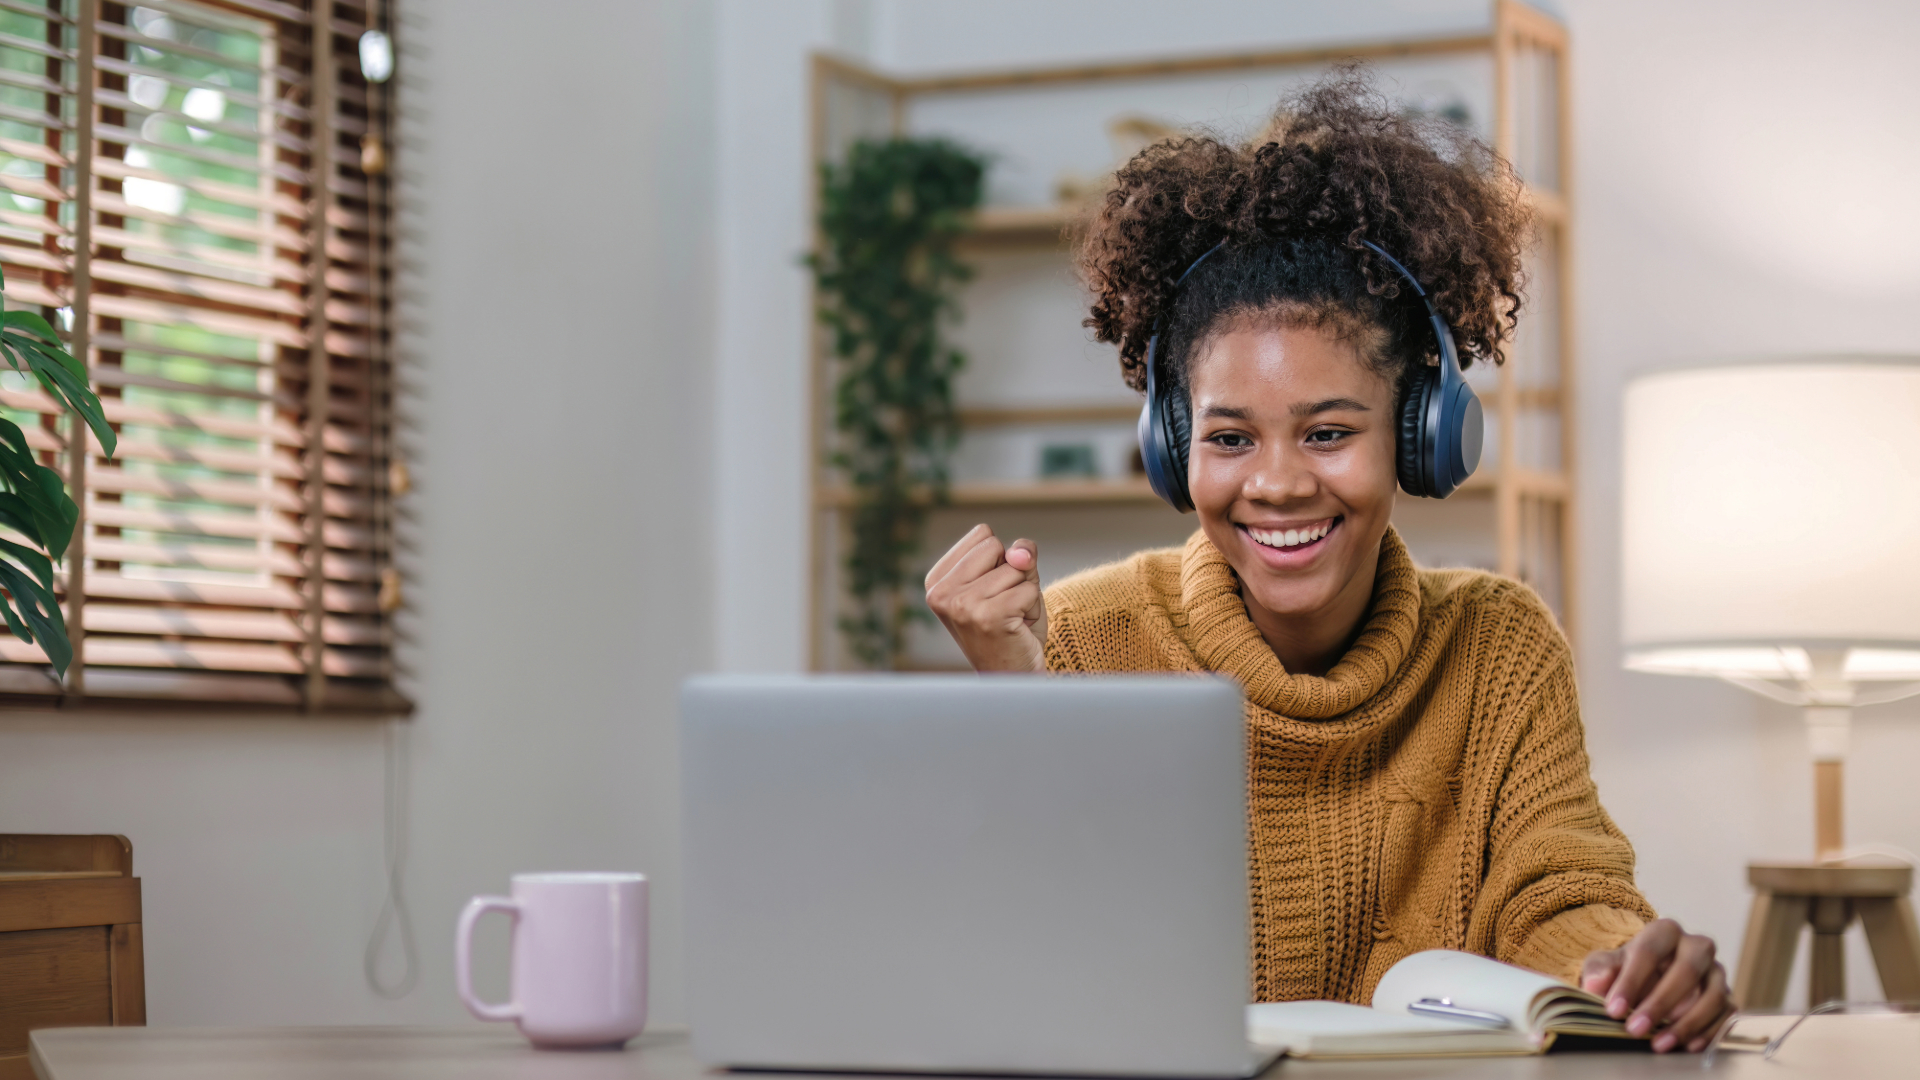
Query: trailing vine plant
{"type": "Point", "coordinates": [886, 279]}
{"type": "Point", "coordinates": [34, 503]}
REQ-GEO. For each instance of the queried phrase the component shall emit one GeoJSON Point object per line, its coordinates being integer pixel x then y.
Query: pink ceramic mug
{"type": "Point", "coordinates": [579, 958]}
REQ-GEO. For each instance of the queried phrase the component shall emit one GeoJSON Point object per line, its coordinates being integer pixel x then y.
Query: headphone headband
{"type": "Point", "coordinates": [1182, 279]}
{"type": "Point", "coordinates": [1442, 416]}
{"type": "Point", "coordinates": [1404, 272]}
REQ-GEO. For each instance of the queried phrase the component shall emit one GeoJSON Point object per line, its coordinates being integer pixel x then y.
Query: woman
{"type": "Point", "coordinates": [1418, 774]}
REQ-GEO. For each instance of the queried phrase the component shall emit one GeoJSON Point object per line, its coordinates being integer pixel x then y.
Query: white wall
{"type": "Point", "coordinates": [759, 439]}
{"type": "Point", "coordinates": [559, 263]}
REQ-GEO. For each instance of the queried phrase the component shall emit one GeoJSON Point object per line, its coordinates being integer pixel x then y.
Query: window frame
{"type": "Point", "coordinates": [317, 640]}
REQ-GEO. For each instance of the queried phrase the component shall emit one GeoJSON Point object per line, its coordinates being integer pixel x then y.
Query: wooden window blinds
{"type": "Point", "coordinates": [184, 189]}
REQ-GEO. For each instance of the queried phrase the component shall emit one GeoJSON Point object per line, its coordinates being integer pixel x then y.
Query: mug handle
{"type": "Point", "coordinates": [463, 957]}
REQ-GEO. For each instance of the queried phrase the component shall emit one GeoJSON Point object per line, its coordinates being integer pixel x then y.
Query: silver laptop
{"type": "Point", "coordinates": [967, 875]}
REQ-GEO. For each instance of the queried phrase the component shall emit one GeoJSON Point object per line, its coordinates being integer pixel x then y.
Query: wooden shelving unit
{"type": "Point", "coordinates": [1523, 494]}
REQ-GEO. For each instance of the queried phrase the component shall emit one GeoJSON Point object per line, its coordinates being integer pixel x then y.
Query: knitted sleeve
{"type": "Point", "coordinates": [1082, 641]}
{"type": "Point", "coordinates": [1559, 877]}
{"type": "Point", "coordinates": [1102, 619]}
{"type": "Point", "coordinates": [1062, 650]}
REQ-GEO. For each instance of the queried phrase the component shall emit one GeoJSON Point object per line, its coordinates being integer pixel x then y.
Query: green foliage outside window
{"type": "Point", "coordinates": [203, 192]}
{"type": "Point", "coordinates": [887, 277]}
{"type": "Point", "coordinates": [199, 116]}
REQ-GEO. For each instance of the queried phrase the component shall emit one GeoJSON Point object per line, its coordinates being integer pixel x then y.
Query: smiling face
{"type": "Point", "coordinates": [1292, 474]}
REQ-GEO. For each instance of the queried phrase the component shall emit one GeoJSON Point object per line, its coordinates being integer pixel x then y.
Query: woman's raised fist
{"type": "Point", "coordinates": [987, 594]}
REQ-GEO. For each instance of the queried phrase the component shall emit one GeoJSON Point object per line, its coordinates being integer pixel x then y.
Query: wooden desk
{"type": "Point", "coordinates": [1855, 1047]}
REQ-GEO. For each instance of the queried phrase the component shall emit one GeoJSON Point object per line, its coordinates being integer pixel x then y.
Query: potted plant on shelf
{"type": "Point", "coordinates": [886, 279]}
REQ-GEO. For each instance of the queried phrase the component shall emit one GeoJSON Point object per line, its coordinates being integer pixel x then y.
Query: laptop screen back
{"type": "Point", "coordinates": [1001, 874]}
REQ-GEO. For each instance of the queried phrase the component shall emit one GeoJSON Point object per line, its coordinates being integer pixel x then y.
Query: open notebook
{"type": "Point", "coordinates": [1538, 1009]}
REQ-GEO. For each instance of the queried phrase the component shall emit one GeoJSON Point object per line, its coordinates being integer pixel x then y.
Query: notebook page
{"type": "Point", "coordinates": [1332, 1029]}
{"type": "Point", "coordinates": [1268, 1019]}
{"type": "Point", "coordinates": [1472, 982]}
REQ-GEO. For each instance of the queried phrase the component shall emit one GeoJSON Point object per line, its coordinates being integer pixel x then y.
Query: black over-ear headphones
{"type": "Point", "coordinates": [1437, 442]}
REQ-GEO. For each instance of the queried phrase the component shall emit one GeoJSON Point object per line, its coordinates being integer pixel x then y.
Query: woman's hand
{"type": "Point", "coordinates": [988, 597]}
{"type": "Point", "coordinates": [1668, 980]}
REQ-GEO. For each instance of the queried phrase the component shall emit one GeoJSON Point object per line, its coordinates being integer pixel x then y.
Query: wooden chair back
{"type": "Point", "coordinates": [70, 945]}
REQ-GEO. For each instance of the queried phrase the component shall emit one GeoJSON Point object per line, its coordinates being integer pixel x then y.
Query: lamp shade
{"type": "Point", "coordinates": [1769, 509]}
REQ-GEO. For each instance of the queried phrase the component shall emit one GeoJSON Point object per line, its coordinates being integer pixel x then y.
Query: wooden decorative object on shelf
{"type": "Point", "coordinates": [1526, 498]}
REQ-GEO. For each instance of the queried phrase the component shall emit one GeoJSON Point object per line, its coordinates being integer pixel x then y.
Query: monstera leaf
{"type": "Point", "coordinates": [34, 503]}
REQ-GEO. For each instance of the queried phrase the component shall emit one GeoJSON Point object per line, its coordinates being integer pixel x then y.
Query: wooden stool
{"type": "Point", "coordinates": [1789, 895]}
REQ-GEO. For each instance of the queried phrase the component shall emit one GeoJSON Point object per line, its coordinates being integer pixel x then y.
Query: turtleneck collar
{"type": "Point", "coordinates": [1225, 639]}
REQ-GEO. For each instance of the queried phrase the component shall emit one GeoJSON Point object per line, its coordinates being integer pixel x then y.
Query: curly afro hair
{"type": "Point", "coordinates": [1337, 165]}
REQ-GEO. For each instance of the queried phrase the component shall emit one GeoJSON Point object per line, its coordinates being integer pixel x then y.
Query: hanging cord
{"type": "Point", "coordinates": [394, 917]}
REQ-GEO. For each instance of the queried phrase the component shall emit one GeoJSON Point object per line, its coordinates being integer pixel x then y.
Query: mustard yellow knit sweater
{"type": "Point", "coordinates": [1430, 792]}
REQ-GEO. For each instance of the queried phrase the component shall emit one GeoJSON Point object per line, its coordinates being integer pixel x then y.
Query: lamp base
{"type": "Point", "coordinates": [1829, 830]}
{"type": "Point", "coordinates": [1787, 896]}
{"type": "Point", "coordinates": [1828, 728]}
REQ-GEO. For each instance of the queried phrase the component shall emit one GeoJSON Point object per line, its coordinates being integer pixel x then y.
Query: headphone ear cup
{"type": "Point", "coordinates": [1179, 445]}
{"type": "Point", "coordinates": [1163, 433]}
{"type": "Point", "coordinates": [1413, 410]}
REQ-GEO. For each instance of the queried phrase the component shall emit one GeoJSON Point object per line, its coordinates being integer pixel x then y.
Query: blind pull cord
{"type": "Point", "coordinates": [394, 918]}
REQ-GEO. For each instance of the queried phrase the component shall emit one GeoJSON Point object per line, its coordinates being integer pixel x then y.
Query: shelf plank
{"type": "Point", "coordinates": [1540, 397]}
{"type": "Point", "coordinates": [1548, 206]}
{"type": "Point", "coordinates": [1025, 226]}
{"type": "Point", "coordinates": [1532, 483]}
{"type": "Point", "coordinates": [1539, 484]}
{"type": "Point", "coordinates": [1055, 226]}
{"type": "Point", "coordinates": [1005, 416]}
{"type": "Point", "coordinates": [1024, 492]}
{"type": "Point", "coordinates": [1134, 69]}
{"type": "Point", "coordinates": [1004, 493]}
{"type": "Point", "coordinates": [56, 875]}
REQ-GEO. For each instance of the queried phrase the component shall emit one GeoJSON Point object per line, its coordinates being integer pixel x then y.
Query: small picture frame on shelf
{"type": "Point", "coordinates": [1069, 461]}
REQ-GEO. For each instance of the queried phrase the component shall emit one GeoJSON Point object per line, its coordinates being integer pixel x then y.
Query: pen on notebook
{"type": "Point", "coordinates": [1447, 1010]}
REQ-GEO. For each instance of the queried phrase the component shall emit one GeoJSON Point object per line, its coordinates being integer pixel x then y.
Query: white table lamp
{"type": "Point", "coordinates": [1772, 539]}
